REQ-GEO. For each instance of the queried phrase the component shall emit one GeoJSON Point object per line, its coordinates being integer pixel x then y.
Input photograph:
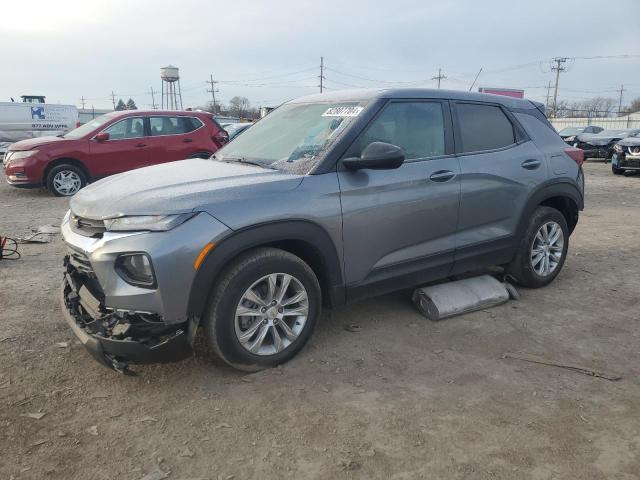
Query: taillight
{"type": "Point", "coordinates": [221, 137]}
{"type": "Point", "coordinates": [78, 124]}
{"type": "Point", "coordinates": [576, 154]}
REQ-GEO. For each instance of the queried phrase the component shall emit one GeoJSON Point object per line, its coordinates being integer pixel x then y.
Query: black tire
{"type": "Point", "coordinates": [219, 319]}
{"type": "Point", "coordinates": [521, 268]}
{"type": "Point", "coordinates": [70, 170]}
{"type": "Point", "coordinates": [203, 155]}
{"type": "Point", "coordinates": [616, 170]}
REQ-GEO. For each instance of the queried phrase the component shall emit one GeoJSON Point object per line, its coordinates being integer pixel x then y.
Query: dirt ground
{"type": "Point", "coordinates": [403, 398]}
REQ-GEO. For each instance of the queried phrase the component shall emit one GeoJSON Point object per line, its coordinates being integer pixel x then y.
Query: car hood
{"type": "Point", "coordinates": [630, 142]}
{"type": "Point", "coordinates": [179, 187]}
{"type": "Point", "coordinates": [599, 140]}
{"type": "Point", "coordinates": [31, 143]}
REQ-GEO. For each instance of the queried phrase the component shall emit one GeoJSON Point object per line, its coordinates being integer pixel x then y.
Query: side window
{"type": "Point", "coordinates": [173, 125]}
{"type": "Point", "coordinates": [416, 127]}
{"type": "Point", "coordinates": [483, 127]}
{"type": "Point", "coordinates": [127, 128]}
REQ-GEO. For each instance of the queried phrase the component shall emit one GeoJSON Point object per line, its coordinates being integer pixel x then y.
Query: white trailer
{"type": "Point", "coordinates": [22, 120]}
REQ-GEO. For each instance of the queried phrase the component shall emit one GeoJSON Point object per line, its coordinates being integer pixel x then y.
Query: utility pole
{"type": "Point", "coordinates": [321, 73]}
{"type": "Point", "coordinates": [547, 106]}
{"type": "Point", "coordinates": [622, 89]}
{"type": "Point", "coordinates": [558, 68]}
{"type": "Point", "coordinates": [439, 77]}
{"type": "Point", "coordinates": [212, 91]}
{"type": "Point", "coordinates": [153, 98]}
{"type": "Point", "coordinates": [113, 99]}
{"type": "Point", "coordinates": [82, 102]}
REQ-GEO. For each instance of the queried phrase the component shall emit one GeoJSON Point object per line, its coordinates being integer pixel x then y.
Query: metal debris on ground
{"type": "Point", "coordinates": [579, 369]}
{"type": "Point", "coordinates": [35, 416]}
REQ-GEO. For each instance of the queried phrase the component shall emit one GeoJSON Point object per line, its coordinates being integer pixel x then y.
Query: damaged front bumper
{"type": "Point", "coordinates": [117, 321]}
{"type": "Point", "coordinates": [116, 339]}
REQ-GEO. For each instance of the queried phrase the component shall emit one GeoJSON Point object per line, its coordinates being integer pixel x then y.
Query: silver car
{"type": "Point", "coordinates": [330, 199]}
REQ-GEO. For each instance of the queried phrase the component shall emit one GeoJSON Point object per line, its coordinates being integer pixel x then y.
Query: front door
{"type": "Point", "coordinates": [399, 225]}
{"type": "Point", "coordinates": [126, 148]}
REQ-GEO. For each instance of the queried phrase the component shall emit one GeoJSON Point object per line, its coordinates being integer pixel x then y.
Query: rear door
{"type": "Point", "coordinates": [126, 149]}
{"type": "Point", "coordinates": [174, 137]}
{"type": "Point", "coordinates": [399, 225]}
{"type": "Point", "coordinates": [500, 167]}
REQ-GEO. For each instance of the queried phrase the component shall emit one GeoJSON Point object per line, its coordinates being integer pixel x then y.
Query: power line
{"type": "Point", "coordinates": [113, 99]}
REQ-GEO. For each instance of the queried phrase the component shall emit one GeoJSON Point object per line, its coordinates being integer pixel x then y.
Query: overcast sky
{"type": "Point", "coordinates": [269, 51]}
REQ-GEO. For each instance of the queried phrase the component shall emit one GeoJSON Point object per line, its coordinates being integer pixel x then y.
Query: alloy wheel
{"type": "Point", "coordinates": [271, 314]}
{"type": "Point", "coordinates": [547, 249]}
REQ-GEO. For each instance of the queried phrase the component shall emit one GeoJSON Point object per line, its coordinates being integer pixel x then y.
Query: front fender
{"type": "Point", "coordinates": [304, 231]}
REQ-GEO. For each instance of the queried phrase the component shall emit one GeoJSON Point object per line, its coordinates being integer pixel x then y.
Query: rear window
{"type": "Point", "coordinates": [483, 127]}
{"type": "Point", "coordinates": [166, 125]}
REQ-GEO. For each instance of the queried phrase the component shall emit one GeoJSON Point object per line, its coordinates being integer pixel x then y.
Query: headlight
{"type": "Point", "coordinates": [617, 148]}
{"type": "Point", "coordinates": [154, 223]}
{"type": "Point", "coordinates": [136, 269]}
{"type": "Point", "coordinates": [13, 156]}
{"type": "Point", "coordinates": [570, 139]}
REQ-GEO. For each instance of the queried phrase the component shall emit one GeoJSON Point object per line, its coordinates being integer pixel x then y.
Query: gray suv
{"type": "Point", "coordinates": [329, 199]}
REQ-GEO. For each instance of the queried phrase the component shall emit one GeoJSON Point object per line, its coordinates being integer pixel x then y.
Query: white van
{"type": "Point", "coordinates": [23, 120]}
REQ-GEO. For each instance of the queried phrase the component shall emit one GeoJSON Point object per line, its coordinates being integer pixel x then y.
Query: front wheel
{"type": "Point", "coordinates": [262, 310]}
{"type": "Point", "coordinates": [616, 170]}
{"type": "Point", "coordinates": [65, 180]}
{"type": "Point", "coordinates": [542, 250]}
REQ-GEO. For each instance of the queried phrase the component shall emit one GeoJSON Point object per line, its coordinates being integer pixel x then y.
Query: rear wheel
{"type": "Point", "coordinates": [542, 250]}
{"type": "Point", "coordinates": [65, 180]}
{"type": "Point", "coordinates": [262, 310]}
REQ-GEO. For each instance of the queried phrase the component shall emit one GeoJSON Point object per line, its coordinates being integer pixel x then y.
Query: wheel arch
{"type": "Point", "coordinates": [561, 195]}
{"type": "Point", "coordinates": [61, 161]}
{"type": "Point", "coordinates": [302, 238]}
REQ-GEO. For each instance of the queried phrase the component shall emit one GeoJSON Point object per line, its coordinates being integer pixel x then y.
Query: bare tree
{"type": "Point", "coordinates": [239, 106]}
{"type": "Point", "coordinates": [633, 107]}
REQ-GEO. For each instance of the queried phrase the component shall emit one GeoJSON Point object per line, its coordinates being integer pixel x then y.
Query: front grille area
{"type": "Point", "coordinates": [86, 226]}
{"type": "Point", "coordinates": [79, 260]}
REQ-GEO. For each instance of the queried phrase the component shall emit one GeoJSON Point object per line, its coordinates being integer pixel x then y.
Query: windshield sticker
{"type": "Point", "coordinates": [342, 112]}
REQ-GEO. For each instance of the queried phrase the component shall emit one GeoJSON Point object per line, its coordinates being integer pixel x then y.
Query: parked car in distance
{"type": "Point", "coordinates": [236, 129]}
{"type": "Point", "coordinates": [329, 199]}
{"type": "Point", "coordinates": [600, 145]}
{"type": "Point", "coordinates": [569, 134]}
{"type": "Point", "coordinates": [109, 144]}
{"type": "Point", "coordinates": [626, 155]}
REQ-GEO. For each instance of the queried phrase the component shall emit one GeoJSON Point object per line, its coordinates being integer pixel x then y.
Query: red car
{"type": "Point", "coordinates": [112, 143]}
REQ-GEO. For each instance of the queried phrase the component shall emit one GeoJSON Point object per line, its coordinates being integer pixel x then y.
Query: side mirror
{"type": "Point", "coordinates": [377, 156]}
{"type": "Point", "coordinates": [102, 137]}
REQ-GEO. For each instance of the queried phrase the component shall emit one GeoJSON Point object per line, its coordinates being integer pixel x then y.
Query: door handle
{"type": "Point", "coordinates": [531, 164]}
{"type": "Point", "coordinates": [187, 140]}
{"type": "Point", "coordinates": [442, 175]}
{"type": "Point", "coordinates": [140, 145]}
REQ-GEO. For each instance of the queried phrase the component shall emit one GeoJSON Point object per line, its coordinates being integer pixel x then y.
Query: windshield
{"type": "Point", "coordinates": [88, 127]}
{"type": "Point", "coordinates": [572, 130]}
{"type": "Point", "coordinates": [293, 137]}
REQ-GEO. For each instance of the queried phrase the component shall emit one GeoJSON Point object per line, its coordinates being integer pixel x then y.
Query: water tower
{"type": "Point", "coordinates": [171, 96]}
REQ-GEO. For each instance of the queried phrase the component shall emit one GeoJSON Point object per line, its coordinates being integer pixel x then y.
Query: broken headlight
{"type": "Point", "coordinates": [136, 269]}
